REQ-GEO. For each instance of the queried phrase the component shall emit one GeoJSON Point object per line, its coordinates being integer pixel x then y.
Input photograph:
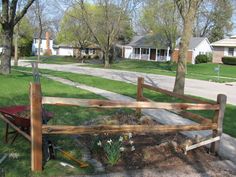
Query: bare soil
{"type": "Point", "coordinates": [161, 152]}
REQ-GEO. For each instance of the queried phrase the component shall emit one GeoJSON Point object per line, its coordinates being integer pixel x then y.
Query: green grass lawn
{"type": "Point", "coordinates": [14, 91]}
{"type": "Point", "coordinates": [54, 59]}
{"type": "Point", "coordinates": [203, 71]}
{"type": "Point", "coordinates": [130, 90]}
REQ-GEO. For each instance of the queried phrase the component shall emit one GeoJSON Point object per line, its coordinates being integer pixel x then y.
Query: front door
{"type": "Point", "coordinates": [153, 54]}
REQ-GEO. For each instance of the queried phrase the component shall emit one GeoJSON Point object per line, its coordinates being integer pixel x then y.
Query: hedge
{"type": "Point", "coordinates": [201, 59]}
{"type": "Point", "coordinates": [229, 60]}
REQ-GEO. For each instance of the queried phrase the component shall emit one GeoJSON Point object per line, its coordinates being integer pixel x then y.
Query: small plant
{"type": "Point", "coordinates": [113, 146]}
{"type": "Point", "coordinates": [113, 151]}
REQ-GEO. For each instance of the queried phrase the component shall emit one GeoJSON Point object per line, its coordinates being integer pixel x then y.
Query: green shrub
{"type": "Point", "coordinates": [229, 60]}
{"type": "Point", "coordinates": [201, 59]}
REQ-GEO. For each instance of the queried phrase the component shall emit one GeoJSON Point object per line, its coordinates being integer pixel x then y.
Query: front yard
{"type": "Point", "coordinates": [205, 71]}
{"type": "Point", "coordinates": [14, 91]}
{"type": "Point", "coordinates": [130, 90]}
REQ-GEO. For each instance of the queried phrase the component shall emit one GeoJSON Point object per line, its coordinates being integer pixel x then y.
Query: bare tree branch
{"type": "Point", "coordinates": [23, 12]}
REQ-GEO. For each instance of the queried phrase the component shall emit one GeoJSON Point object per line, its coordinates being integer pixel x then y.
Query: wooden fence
{"type": "Point", "coordinates": [37, 129]}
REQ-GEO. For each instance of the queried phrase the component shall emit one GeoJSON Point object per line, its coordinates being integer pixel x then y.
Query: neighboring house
{"type": "Point", "coordinates": [46, 45]}
{"type": "Point", "coordinates": [224, 47]}
{"type": "Point", "coordinates": [197, 46]}
{"type": "Point", "coordinates": [153, 48]}
{"type": "Point", "coordinates": [147, 47]}
{"type": "Point", "coordinates": [63, 50]}
{"type": "Point", "coordinates": [91, 51]}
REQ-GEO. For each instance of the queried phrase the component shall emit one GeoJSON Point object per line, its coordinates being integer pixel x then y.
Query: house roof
{"type": "Point", "coordinates": [194, 42]}
{"type": "Point", "coordinates": [158, 41]}
{"type": "Point", "coordinates": [229, 42]}
{"type": "Point", "coordinates": [36, 36]}
{"type": "Point", "coordinates": [148, 41]}
{"type": "Point", "coordinates": [63, 46]}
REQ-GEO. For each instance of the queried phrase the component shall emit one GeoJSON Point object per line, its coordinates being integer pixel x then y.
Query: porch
{"type": "Point", "coordinates": [151, 54]}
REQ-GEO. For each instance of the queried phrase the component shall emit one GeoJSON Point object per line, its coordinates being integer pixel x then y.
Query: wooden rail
{"type": "Point", "coordinates": [99, 129]}
{"type": "Point", "coordinates": [37, 129]}
{"type": "Point", "coordinates": [92, 103]}
{"type": "Point", "coordinates": [183, 97]}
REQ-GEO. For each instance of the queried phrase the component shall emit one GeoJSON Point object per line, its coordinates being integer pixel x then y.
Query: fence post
{"type": "Point", "coordinates": [139, 93]}
{"type": "Point", "coordinates": [36, 126]}
{"type": "Point", "coordinates": [218, 118]}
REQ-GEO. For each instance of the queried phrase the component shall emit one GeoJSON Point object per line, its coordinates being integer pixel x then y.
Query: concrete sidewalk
{"type": "Point", "coordinates": [228, 143]}
{"type": "Point", "coordinates": [194, 87]}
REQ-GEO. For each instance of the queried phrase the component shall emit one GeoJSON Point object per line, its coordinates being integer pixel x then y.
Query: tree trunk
{"type": "Point", "coordinates": [16, 51]}
{"type": "Point", "coordinates": [7, 51]}
{"type": "Point", "coordinates": [182, 58]}
{"type": "Point", "coordinates": [106, 59]}
{"type": "Point", "coordinates": [39, 47]}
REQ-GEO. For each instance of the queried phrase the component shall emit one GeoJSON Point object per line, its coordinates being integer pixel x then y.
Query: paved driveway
{"type": "Point", "coordinates": [193, 87]}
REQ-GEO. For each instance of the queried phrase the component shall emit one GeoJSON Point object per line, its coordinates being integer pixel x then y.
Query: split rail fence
{"type": "Point", "coordinates": [38, 129]}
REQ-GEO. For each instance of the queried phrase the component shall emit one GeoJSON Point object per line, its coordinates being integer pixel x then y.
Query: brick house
{"type": "Point", "coordinates": [224, 47]}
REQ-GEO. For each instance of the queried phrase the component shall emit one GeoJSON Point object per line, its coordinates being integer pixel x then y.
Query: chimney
{"type": "Point", "coordinates": [48, 50]}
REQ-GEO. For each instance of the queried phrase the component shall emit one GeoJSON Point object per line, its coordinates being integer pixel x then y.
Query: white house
{"type": "Point", "coordinates": [224, 47]}
{"type": "Point", "coordinates": [153, 48]}
{"type": "Point", "coordinates": [63, 50]}
{"type": "Point", "coordinates": [146, 48]}
{"type": "Point", "coordinates": [46, 45]}
{"type": "Point", "coordinates": [197, 46]}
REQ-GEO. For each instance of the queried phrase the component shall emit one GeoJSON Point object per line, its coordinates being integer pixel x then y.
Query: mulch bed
{"type": "Point", "coordinates": [159, 151]}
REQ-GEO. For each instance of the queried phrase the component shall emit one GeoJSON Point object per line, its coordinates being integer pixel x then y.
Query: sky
{"type": "Point", "coordinates": [59, 6]}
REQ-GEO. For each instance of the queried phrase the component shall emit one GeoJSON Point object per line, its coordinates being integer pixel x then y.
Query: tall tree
{"type": "Point", "coordinates": [73, 30]}
{"type": "Point", "coordinates": [212, 20]}
{"type": "Point", "coordinates": [187, 10]}
{"type": "Point", "coordinates": [221, 19]}
{"type": "Point", "coordinates": [22, 39]}
{"type": "Point", "coordinates": [154, 19]}
{"type": "Point", "coordinates": [39, 12]}
{"type": "Point", "coordinates": [8, 20]}
{"type": "Point", "coordinates": [106, 23]}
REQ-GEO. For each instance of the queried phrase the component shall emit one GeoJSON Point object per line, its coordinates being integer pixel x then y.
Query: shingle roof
{"type": "Point", "coordinates": [148, 41]}
{"type": "Point", "coordinates": [36, 36]}
{"type": "Point", "coordinates": [194, 42]}
{"type": "Point", "coordinates": [158, 41]}
{"type": "Point", "coordinates": [230, 42]}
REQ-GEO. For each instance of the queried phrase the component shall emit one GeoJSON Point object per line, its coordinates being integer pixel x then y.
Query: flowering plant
{"type": "Point", "coordinates": [112, 150]}
{"type": "Point", "coordinates": [113, 147]}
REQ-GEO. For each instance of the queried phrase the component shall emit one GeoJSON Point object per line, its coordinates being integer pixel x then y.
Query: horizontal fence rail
{"type": "Point", "coordinates": [59, 129]}
{"type": "Point", "coordinates": [184, 97]}
{"type": "Point", "coordinates": [93, 103]}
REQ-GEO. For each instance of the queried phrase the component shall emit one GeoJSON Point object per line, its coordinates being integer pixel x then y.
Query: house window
{"type": "Point", "coordinates": [145, 51]}
{"type": "Point", "coordinates": [137, 50]}
{"type": "Point", "coordinates": [231, 52]}
{"type": "Point", "coordinates": [86, 51]}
